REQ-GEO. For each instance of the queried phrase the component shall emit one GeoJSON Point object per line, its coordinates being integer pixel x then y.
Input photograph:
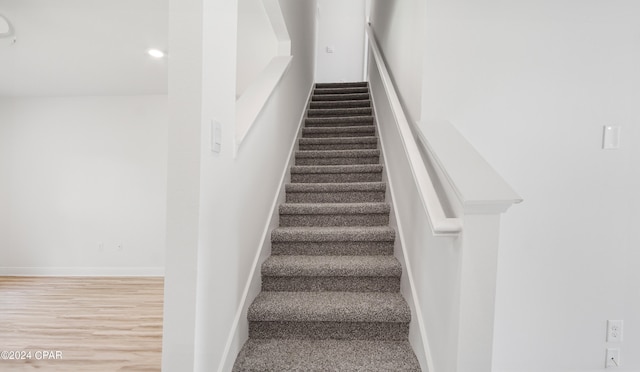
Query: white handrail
{"type": "Point", "coordinates": [440, 223]}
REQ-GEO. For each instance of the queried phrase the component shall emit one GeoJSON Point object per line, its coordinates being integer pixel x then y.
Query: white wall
{"type": "Point", "coordinates": [341, 26]}
{"type": "Point", "coordinates": [531, 84]}
{"type": "Point", "coordinates": [257, 43]}
{"type": "Point", "coordinates": [430, 264]}
{"type": "Point", "coordinates": [80, 171]}
{"type": "Point", "coordinates": [399, 28]}
{"type": "Point", "coordinates": [226, 199]}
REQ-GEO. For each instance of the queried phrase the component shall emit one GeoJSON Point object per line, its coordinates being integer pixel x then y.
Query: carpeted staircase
{"type": "Point", "coordinates": [330, 296]}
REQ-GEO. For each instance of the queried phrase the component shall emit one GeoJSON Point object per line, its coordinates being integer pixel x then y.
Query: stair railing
{"type": "Point", "coordinates": [454, 318]}
{"type": "Point", "coordinates": [441, 224]}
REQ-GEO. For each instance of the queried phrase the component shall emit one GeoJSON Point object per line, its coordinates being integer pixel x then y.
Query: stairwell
{"type": "Point", "coordinates": [330, 297]}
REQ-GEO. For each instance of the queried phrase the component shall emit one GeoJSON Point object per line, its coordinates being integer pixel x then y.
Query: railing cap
{"type": "Point", "coordinates": [477, 184]}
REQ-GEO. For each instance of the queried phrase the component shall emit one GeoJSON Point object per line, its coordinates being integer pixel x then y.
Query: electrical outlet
{"type": "Point", "coordinates": [100, 247]}
{"type": "Point", "coordinates": [613, 358]}
{"type": "Point", "coordinates": [614, 330]}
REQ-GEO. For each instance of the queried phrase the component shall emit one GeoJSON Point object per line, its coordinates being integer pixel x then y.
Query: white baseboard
{"type": "Point", "coordinates": [239, 329]}
{"type": "Point", "coordinates": [82, 271]}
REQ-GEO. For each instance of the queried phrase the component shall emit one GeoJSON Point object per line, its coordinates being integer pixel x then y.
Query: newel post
{"type": "Point", "coordinates": [479, 244]}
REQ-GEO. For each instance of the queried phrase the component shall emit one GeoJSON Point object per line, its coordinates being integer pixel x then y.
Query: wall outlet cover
{"type": "Point", "coordinates": [614, 330]}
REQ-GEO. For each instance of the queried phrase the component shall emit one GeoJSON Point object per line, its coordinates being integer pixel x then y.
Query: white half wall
{"type": "Point", "coordinates": [341, 28]}
{"type": "Point", "coordinates": [531, 85]}
{"type": "Point", "coordinates": [80, 176]}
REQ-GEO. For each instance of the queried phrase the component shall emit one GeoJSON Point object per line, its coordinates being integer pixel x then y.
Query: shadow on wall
{"type": "Point", "coordinates": [257, 43]}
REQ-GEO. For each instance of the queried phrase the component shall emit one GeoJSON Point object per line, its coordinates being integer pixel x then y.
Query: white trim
{"type": "Point", "coordinates": [228, 358]}
{"type": "Point", "coordinates": [438, 220]}
{"type": "Point", "coordinates": [82, 271]}
{"type": "Point", "coordinates": [412, 296]}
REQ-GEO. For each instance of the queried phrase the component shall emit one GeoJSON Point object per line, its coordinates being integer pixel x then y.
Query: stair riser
{"type": "Point", "coordinates": [340, 91]}
{"type": "Point", "coordinates": [339, 119]}
{"type": "Point", "coordinates": [353, 84]}
{"type": "Point", "coordinates": [323, 220]}
{"type": "Point", "coordinates": [340, 104]}
{"type": "Point", "coordinates": [337, 134]}
{"type": "Point", "coordinates": [335, 197]}
{"type": "Point", "coordinates": [340, 97]}
{"type": "Point", "coordinates": [338, 161]}
{"type": "Point", "coordinates": [335, 177]}
{"type": "Point", "coordinates": [331, 283]}
{"type": "Point", "coordinates": [340, 112]}
{"type": "Point", "coordinates": [326, 355]}
{"type": "Point", "coordinates": [339, 146]}
{"type": "Point", "coordinates": [378, 331]}
{"type": "Point", "coordinates": [331, 248]}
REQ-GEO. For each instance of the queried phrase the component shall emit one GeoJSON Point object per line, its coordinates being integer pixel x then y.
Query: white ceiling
{"type": "Point", "coordinates": [84, 47]}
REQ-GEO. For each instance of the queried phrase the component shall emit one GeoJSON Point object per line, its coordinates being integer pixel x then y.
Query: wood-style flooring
{"type": "Point", "coordinates": [98, 324]}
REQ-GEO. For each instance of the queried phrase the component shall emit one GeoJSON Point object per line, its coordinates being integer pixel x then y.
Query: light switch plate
{"type": "Point", "coordinates": [611, 137]}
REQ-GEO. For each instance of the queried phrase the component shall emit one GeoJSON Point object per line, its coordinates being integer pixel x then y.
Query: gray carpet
{"type": "Point", "coordinates": [330, 297]}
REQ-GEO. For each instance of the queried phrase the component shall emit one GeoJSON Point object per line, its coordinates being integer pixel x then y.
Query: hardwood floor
{"type": "Point", "coordinates": [98, 324]}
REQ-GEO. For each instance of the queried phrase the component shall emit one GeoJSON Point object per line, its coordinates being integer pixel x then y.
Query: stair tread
{"type": "Point", "coordinates": [334, 208]}
{"type": "Point", "coordinates": [340, 90]}
{"type": "Point", "coordinates": [335, 187]}
{"type": "Point", "coordinates": [341, 266]}
{"type": "Point", "coordinates": [339, 96]}
{"type": "Point", "coordinates": [340, 111]}
{"type": "Point", "coordinates": [342, 84]}
{"type": "Point", "coordinates": [329, 129]}
{"type": "Point", "coordinates": [340, 119]}
{"type": "Point", "coordinates": [341, 104]}
{"type": "Point", "coordinates": [337, 153]}
{"type": "Point", "coordinates": [333, 233]}
{"type": "Point", "coordinates": [315, 169]}
{"type": "Point", "coordinates": [337, 140]}
{"type": "Point", "coordinates": [326, 355]}
{"type": "Point", "coordinates": [329, 307]}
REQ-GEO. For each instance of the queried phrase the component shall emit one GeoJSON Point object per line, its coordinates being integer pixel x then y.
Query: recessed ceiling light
{"type": "Point", "coordinates": [6, 29]}
{"type": "Point", "coordinates": [155, 53]}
